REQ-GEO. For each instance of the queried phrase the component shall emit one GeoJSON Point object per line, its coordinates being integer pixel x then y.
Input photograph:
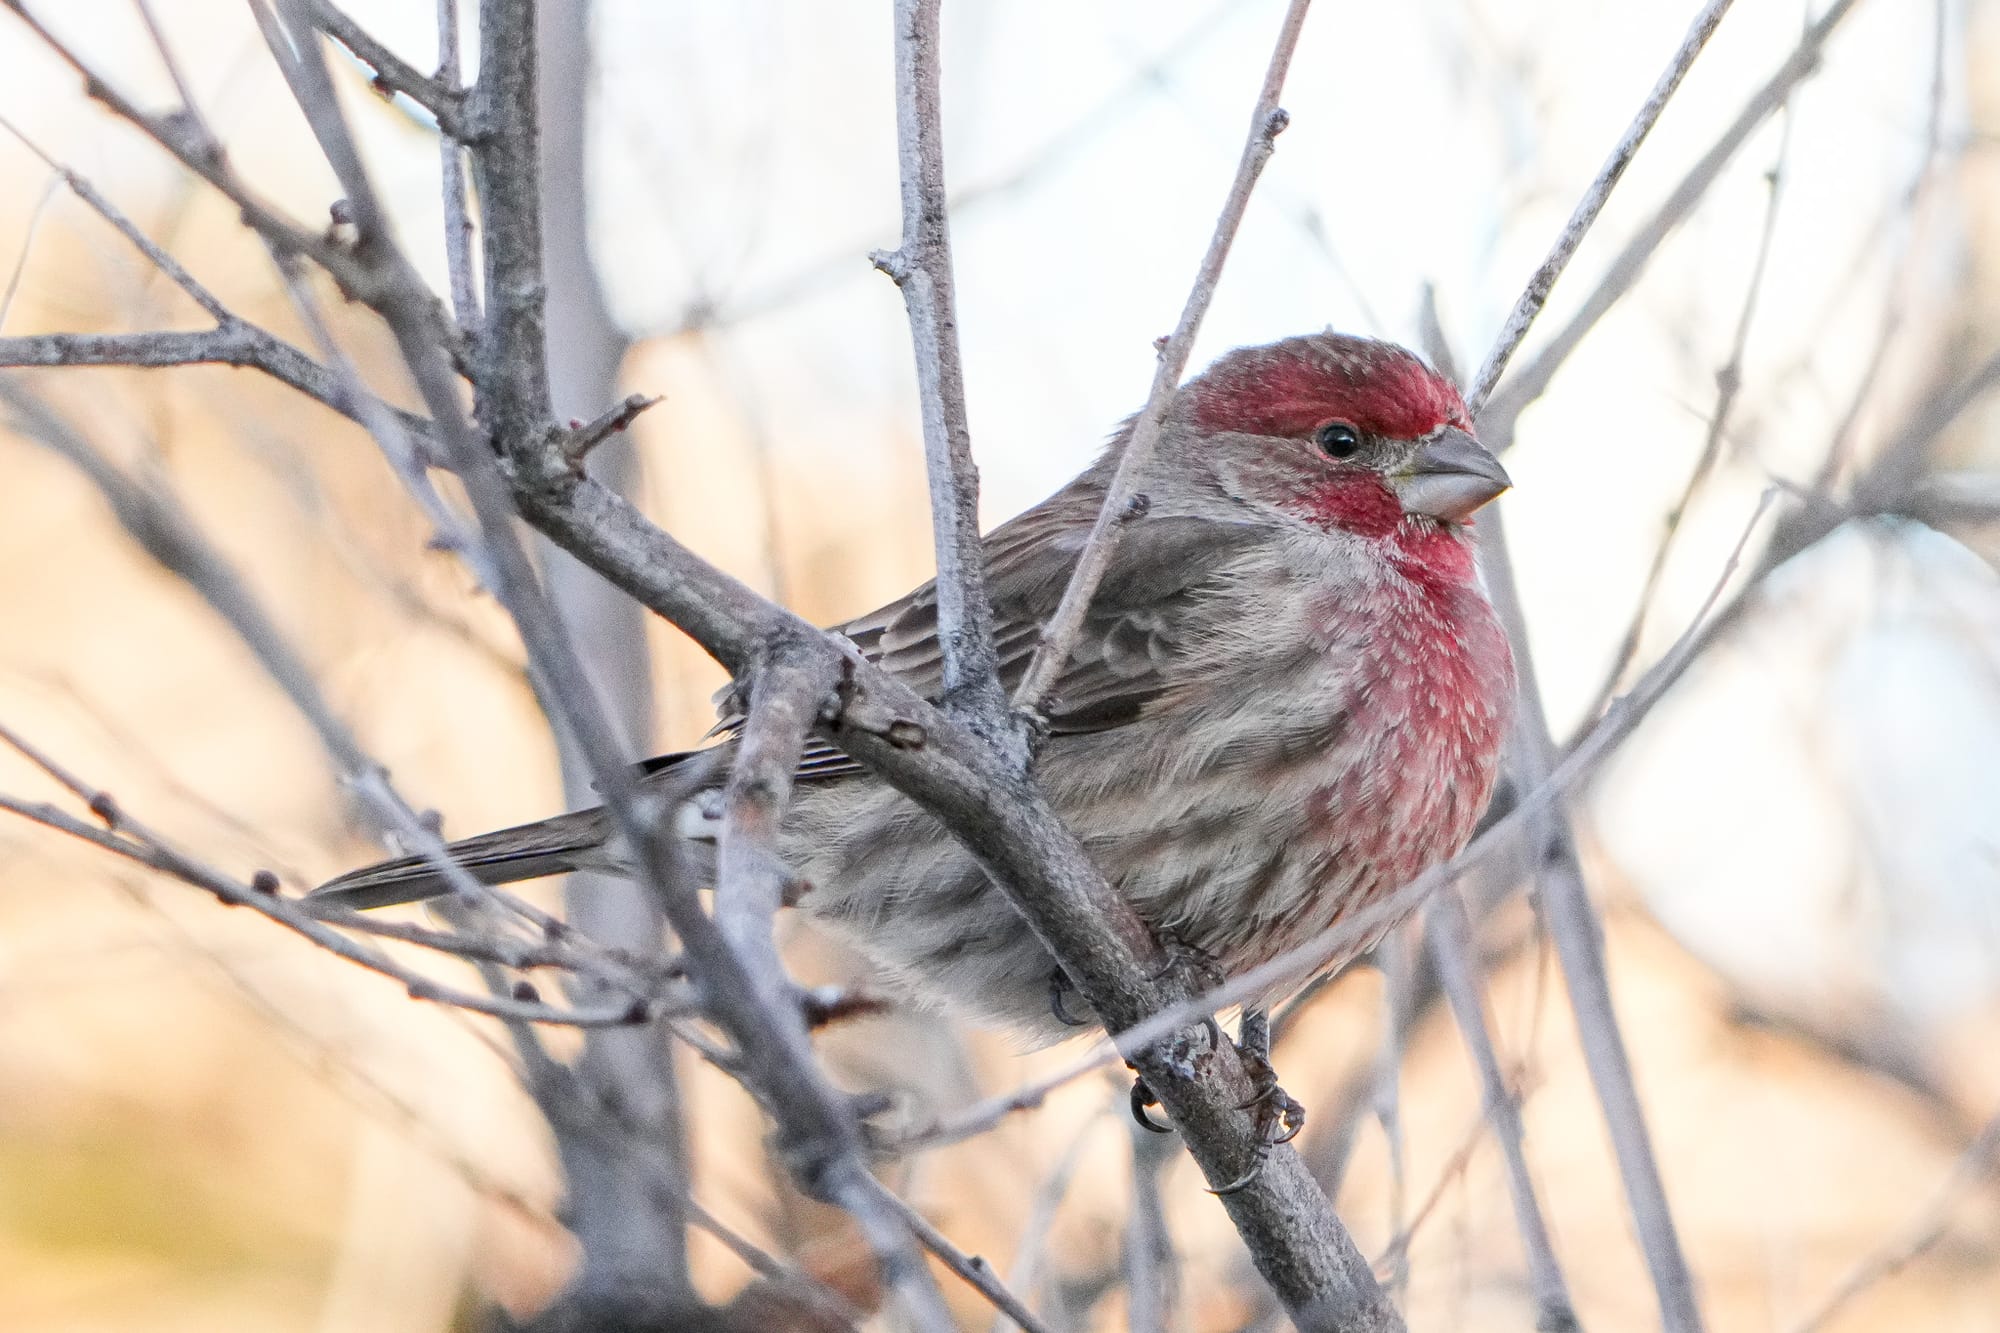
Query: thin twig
{"type": "Point", "coordinates": [1543, 281]}
{"type": "Point", "coordinates": [921, 268]}
{"type": "Point", "coordinates": [441, 96]}
{"type": "Point", "coordinates": [768, 1265]}
{"type": "Point", "coordinates": [1728, 383]}
{"type": "Point", "coordinates": [1925, 1230]}
{"type": "Point", "coordinates": [1497, 416]}
{"type": "Point", "coordinates": [458, 229]}
{"type": "Point", "coordinates": [1029, 1254]}
{"type": "Point", "coordinates": [1059, 636]}
{"type": "Point", "coordinates": [1449, 932]}
{"type": "Point", "coordinates": [1152, 1269]}
{"type": "Point", "coordinates": [1398, 961]}
{"type": "Point", "coordinates": [978, 1274]}
{"type": "Point", "coordinates": [147, 849]}
{"type": "Point", "coordinates": [576, 446]}
{"type": "Point", "coordinates": [27, 243]}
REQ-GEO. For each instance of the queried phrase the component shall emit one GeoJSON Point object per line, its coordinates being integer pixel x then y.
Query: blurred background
{"type": "Point", "coordinates": [207, 1124]}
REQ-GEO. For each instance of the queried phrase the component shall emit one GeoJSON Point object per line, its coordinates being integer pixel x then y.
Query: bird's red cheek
{"type": "Point", "coordinates": [1356, 502]}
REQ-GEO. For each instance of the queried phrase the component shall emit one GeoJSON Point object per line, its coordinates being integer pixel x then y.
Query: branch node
{"type": "Point", "coordinates": [892, 262]}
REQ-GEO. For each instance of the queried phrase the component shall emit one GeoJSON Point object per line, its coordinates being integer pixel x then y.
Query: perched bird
{"type": "Point", "coordinates": [1289, 697]}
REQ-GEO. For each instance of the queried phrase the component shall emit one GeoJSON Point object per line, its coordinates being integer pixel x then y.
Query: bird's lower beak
{"type": "Point", "coordinates": [1451, 476]}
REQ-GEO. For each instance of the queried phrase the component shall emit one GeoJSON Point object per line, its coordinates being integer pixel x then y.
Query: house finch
{"type": "Point", "coordinates": [1288, 699]}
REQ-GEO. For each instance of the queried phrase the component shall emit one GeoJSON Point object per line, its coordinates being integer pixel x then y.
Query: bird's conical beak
{"type": "Point", "coordinates": [1451, 476]}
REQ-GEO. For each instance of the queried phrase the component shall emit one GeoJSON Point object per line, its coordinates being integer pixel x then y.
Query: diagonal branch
{"type": "Point", "coordinates": [1450, 935]}
{"type": "Point", "coordinates": [1121, 502]}
{"type": "Point", "coordinates": [440, 96]}
{"type": "Point", "coordinates": [1543, 280]}
{"type": "Point", "coordinates": [1497, 414]}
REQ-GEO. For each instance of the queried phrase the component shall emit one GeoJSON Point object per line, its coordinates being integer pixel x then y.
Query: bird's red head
{"type": "Point", "coordinates": [1347, 433]}
{"type": "Point", "coordinates": [1290, 388]}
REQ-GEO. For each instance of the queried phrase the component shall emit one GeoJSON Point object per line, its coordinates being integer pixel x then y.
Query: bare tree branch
{"type": "Point", "coordinates": [921, 268]}
{"type": "Point", "coordinates": [1450, 937]}
{"type": "Point", "coordinates": [1543, 281]}
{"type": "Point", "coordinates": [127, 838]}
{"type": "Point", "coordinates": [1924, 1231]}
{"type": "Point", "coordinates": [458, 229]}
{"type": "Point", "coordinates": [441, 96]}
{"type": "Point", "coordinates": [977, 1273]}
{"type": "Point", "coordinates": [1152, 1270]}
{"type": "Point", "coordinates": [1121, 502]}
{"type": "Point", "coordinates": [1497, 414]}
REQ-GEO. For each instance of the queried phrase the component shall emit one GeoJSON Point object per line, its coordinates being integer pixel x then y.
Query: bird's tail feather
{"type": "Point", "coordinates": [527, 851]}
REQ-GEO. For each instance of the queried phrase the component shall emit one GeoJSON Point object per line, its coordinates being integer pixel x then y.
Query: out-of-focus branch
{"type": "Point", "coordinates": [1577, 934]}
{"type": "Point", "coordinates": [1449, 930]}
{"type": "Point", "coordinates": [458, 228]}
{"type": "Point", "coordinates": [1498, 414]}
{"type": "Point", "coordinates": [441, 96]}
{"type": "Point", "coordinates": [1536, 294]}
{"type": "Point", "coordinates": [1974, 1165]}
{"type": "Point", "coordinates": [1121, 502]}
{"type": "Point", "coordinates": [973, 1268]}
{"type": "Point", "coordinates": [1152, 1269]}
{"type": "Point", "coordinates": [236, 343]}
{"type": "Point", "coordinates": [1728, 384]}
{"type": "Point", "coordinates": [630, 1180]}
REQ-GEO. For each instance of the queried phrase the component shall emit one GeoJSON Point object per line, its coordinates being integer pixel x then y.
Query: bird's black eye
{"type": "Point", "coordinates": [1338, 439]}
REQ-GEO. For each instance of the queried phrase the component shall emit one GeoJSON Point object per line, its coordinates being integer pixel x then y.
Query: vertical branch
{"type": "Point", "coordinates": [451, 167]}
{"type": "Point", "coordinates": [1152, 1270]}
{"type": "Point", "coordinates": [1578, 936]}
{"type": "Point", "coordinates": [629, 1191]}
{"type": "Point", "coordinates": [785, 692]}
{"type": "Point", "coordinates": [511, 364]}
{"type": "Point", "coordinates": [921, 268]}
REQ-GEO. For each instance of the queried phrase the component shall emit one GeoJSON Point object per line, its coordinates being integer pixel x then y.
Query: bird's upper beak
{"type": "Point", "coordinates": [1450, 477]}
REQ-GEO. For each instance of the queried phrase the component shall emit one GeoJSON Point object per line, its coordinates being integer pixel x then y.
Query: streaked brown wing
{"type": "Point", "coordinates": [1131, 635]}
